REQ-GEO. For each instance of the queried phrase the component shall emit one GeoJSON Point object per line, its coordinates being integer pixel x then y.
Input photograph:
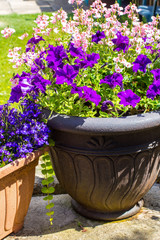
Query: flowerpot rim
{"type": "Point", "coordinates": [97, 125]}
{"type": "Point", "coordinates": [21, 162]}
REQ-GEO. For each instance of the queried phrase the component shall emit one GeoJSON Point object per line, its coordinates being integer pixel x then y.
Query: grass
{"type": "Point", "coordinates": [21, 23]}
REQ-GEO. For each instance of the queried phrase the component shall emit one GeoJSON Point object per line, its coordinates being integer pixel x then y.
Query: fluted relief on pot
{"type": "Point", "coordinates": [106, 164]}
{"type": "Point", "coordinates": [106, 183]}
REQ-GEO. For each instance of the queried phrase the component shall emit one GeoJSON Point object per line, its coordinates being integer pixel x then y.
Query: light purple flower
{"type": "Point", "coordinates": [76, 52]}
{"type": "Point", "coordinates": [113, 80]}
{"type": "Point", "coordinates": [128, 98]}
{"type": "Point", "coordinates": [98, 36]}
{"type": "Point", "coordinates": [105, 104]}
{"type": "Point", "coordinates": [156, 74]}
{"type": "Point", "coordinates": [91, 95]}
{"type": "Point", "coordinates": [121, 42]}
{"type": "Point", "coordinates": [76, 89]}
{"type": "Point", "coordinates": [140, 63]}
{"type": "Point", "coordinates": [66, 74]}
{"type": "Point", "coordinates": [153, 90]}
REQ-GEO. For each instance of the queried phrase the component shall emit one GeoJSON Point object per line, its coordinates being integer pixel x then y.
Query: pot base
{"type": "Point", "coordinates": [110, 216]}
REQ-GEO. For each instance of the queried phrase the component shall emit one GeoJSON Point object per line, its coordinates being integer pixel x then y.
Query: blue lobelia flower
{"type": "Point", "coordinates": [98, 36]}
{"type": "Point", "coordinates": [113, 80]}
{"type": "Point", "coordinates": [140, 63]}
{"type": "Point", "coordinates": [128, 98]}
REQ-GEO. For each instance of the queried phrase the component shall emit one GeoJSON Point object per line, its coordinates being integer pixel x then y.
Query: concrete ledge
{"type": "Point", "coordinates": [68, 225]}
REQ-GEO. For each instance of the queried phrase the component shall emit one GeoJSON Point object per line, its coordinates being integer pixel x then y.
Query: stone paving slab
{"type": "Point", "coordinates": [34, 6]}
{"type": "Point", "coordinates": [5, 7]}
{"type": "Point", "coordinates": [69, 225]}
{"type": "Point", "coordinates": [19, 6]}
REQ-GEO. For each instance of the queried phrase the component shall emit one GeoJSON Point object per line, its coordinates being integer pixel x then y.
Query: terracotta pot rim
{"type": "Point", "coordinates": [21, 162]}
{"type": "Point", "coordinates": [101, 125]}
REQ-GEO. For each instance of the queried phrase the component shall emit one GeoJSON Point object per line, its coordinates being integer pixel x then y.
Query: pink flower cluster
{"type": "Point", "coordinates": [80, 31]}
{"type": "Point", "coordinates": [7, 32]}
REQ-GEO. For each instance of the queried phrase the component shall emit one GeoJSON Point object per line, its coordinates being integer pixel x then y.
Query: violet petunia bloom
{"type": "Point", "coordinates": [105, 104]}
{"type": "Point", "coordinates": [28, 83]}
{"type": "Point", "coordinates": [128, 98]}
{"type": "Point", "coordinates": [140, 63]}
{"type": "Point", "coordinates": [156, 74]}
{"type": "Point", "coordinates": [16, 94]}
{"type": "Point", "coordinates": [98, 36]}
{"type": "Point", "coordinates": [153, 90]}
{"type": "Point", "coordinates": [121, 42]}
{"type": "Point", "coordinates": [35, 40]}
{"type": "Point", "coordinates": [37, 65]}
{"type": "Point", "coordinates": [76, 89]}
{"type": "Point", "coordinates": [91, 95]}
{"type": "Point", "coordinates": [113, 80]}
{"type": "Point", "coordinates": [76, 52]}
{"type": "Point", "coordinates": [66, 74]}
{"type": "Point", "coordinates": [39, 83]}
{"type": "Point", "coordinates": [89, 61]}
{"type": "Point", "coordinates": [55, 55]}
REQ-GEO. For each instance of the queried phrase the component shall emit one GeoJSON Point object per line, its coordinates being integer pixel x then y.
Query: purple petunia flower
{"type": "Point", "coordinates": [153, 90]}
{"type": "Point", "coordinates": [98, 36]}
{"type": "Point", "coordinates": [26, 84]}
{"type": "Point", "coordinates": [55, 55]}
{"type": "Point", "coordinates": [128, 98]}
{"type": "Point", "coordinates": [35, 40]}
{"type": "Point", "coordinates": [140, 63]}
{"type": "Point", "coordinates": [76, 52]}
{"type": "Point", "coordinates": [156, 74]}
{"type": "Point", "coordinates": [37, 65]}
{"type": "Point", "coordinates": [105, 104]}
{"type": "Point", "coordinates": [91, 95]}
{"type": "Point", "coordinates": [76, 89]}
{"type": "Point", "coordinates": [121, 42]}
{"type": "Point", "coordinates": [89, 61]}
{"type": "Point", "coordinates": [66, 74]}
{"type": "Point", "coordinates": [113, 80]}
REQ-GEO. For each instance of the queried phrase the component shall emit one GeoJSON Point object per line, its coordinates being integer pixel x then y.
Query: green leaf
{"type": "Point", "coordinates": [43, 165]}
{"type": "Point", "coordinates": [48, 197]}
{"type": "Point", "coordinates": [44, 190]}
{"type": "Point", "coordinates": [50, 213]}
{"type": "Point", "coordinates": [47, 180]}
{"type": "Point", "coordinates": [51, 190]}
{"type": "Point", "coordinates": [44, 171]}
{"type": "Point", "coordinates": [49, 164]}
{"type": "Point", "coordinates": [50, 171]}
{"type": "Point", "coordinates": [50, 205]}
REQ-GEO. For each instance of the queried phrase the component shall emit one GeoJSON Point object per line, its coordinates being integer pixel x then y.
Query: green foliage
{"type": "Point", "coordinates": [47, 189]}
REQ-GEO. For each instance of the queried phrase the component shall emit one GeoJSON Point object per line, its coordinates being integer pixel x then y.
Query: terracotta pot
{"type": "Point", "coordinates": [106, 165]}
{"type": "Point", "coordinates": [16, 187]}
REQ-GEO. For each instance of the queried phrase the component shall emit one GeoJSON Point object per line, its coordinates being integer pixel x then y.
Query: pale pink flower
{"type": "Point", "coordinates": [56, 30]}
{"type": "Point", "coordinates": [71, 1]}
{"type": "Point", "coordinates": [23, 36]}
{"type": "Point", "coordinates": [7, 32]}
{"type": "Point", "coordinates": [14, 82]}
{"type": "Point", "coordinates": [118, 69]}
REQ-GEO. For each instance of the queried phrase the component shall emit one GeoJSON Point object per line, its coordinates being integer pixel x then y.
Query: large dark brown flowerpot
{"type": "Point", "coordinates": [106, 165]}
